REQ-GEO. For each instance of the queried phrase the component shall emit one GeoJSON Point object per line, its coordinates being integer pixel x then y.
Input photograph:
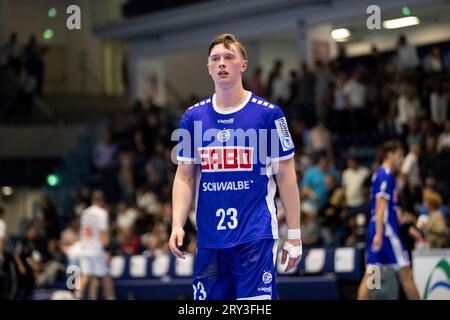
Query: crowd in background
{"type": "Point", "coordinates": [22, 71]}
{"type": "Point", "coordinates": [340, 112]}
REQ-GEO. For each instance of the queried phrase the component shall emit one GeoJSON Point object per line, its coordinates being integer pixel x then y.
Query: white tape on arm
{"type": "Point", "coordinates": [294, 234]}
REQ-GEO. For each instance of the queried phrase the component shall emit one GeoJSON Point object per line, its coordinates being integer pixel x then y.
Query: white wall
{"type": "Point", "coordinates": [188, 73]}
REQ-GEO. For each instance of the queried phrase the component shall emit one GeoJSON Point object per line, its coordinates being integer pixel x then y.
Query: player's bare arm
{"type": "Point", "coordinates": [290, 198]}
{"type": "Point", "coordinates": [380, 209]}
{"type": "Point", "coordinates": [182, 194]}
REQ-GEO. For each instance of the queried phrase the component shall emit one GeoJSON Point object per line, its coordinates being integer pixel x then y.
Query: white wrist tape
{"type": "Point", "coordinates": [293, 251]}
{"type": "Point", "coordinates": [294, 234]}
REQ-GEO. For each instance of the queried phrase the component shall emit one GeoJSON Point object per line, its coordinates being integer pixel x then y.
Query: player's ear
{"type": "Point", "coordinates": [207, 67]}
{"type": "Point", "coordinates": [244, 66]}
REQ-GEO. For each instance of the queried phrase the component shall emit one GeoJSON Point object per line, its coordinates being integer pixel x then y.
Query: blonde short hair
{"type": "Point", "coordinates": [227, 39]}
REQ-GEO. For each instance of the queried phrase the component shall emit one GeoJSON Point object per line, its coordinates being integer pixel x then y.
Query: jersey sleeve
{"type": "Point", "coordinates": [103, 221]}
{"type": "Point", "coordinates": [383, 187]}
{"type": "Point", "coordinates": [281, 146]}
{"type": "Point", "coordinates": [185, 146]}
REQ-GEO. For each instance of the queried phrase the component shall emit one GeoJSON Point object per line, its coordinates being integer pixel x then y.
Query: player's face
{"type": "Point", "coordinates": [398, 158]}
{"type": "Point", "coordinates": [226, 65]}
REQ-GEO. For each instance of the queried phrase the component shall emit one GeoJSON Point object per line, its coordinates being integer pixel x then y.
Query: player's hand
{"type": "Point", "coordinates": [176, 241]}
{"type": "Point", "coordinates": [413, 232]}
{"type": "Point", "coordinates": [377, 242]}
{"type": "Point", "coordinates": [292, 250]}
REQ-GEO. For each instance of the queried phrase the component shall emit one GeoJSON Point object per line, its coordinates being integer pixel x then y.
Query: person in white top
{"type": "Point", "coordinates": [408, 105]}
{"type": "Point", "coordinates": [2, 232]}
{"type": "Point", "coordinates": [410, 167]}
{"type": "Point", "coordinates": [93, 242]}
{"type": "Point", "coordinates": [439, 105]}
{"type": "Point", "coordinates": [407, 56]}
{"type": "Point", "coordinates": [443, 141]}
{"type": "Point", "coordinates": [353, 178]}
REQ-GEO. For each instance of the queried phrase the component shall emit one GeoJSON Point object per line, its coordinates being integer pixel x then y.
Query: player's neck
{"type": "Point", "coordinates": [388, 165]}
{"type": "Point", "coordinates": [230, 97]}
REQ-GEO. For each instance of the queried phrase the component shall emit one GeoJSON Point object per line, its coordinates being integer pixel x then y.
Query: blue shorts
{"type": "Point", "coordinates": [392, 252]}
{"type": "Point", "coordinates": [246, 271]}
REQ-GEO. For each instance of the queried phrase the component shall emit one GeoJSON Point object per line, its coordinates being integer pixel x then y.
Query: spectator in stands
{"type": "Point", "coordinates": [439, 104]}
{"type": "Point", "coordinates": [408, 106]}
{"type": "Point", "coordinates": [156, 179]}
{"type": "Point", "coordinates": [143, 223]}
{"type": "Point", "coordinates": [2, 232]}
{"type": "Point", "coordinates": [320, 137]}
{"type": "Point", "coordinates": [154, 246]}
{"type": "Point", "coordinates": [322, 83]}
{"type": "Point", "coordinates": [27, 255]}
{"type": "Point", "coordinates": [339, 113]}
{"type": "Point", "coordinates": [314, 185]}
{"type": "Point", "coordinates": [126, 217]}
{"type": "Point", "coordinates": [105, 159]}
{"type": "Point", "coordinates": [105, 153]}
{"type": "Point", "coordinates": [70, 236]}
{"type": "Point", "coordinates": [306, 101]}
{"type": "Point", "coordinates": [7, 266]}
{"type": "Point", "coordinates": [443, 140]}
{"type": "Point", "coordinates": [353, 179]}
{"type": "Point", "coordinates": [53, 267]}
{"type": "Point", "coordinates": [34, 63]}
{"type": "Point", "coordinates": [255, 83]}
{"type": "Point", "coordinates": [49, 219]}
{"type": "Point", "coordinates": [414, 135]}
{"type": "Point", "coordinates": [440, 171]}
{"type": "Point", "coordinates": [126, 176]}
{"type": "Point", "coordinates": [129, 243]}
{"type": "Point", "coordinates": [355, 95]}
{"type": "Point", "coordinates": [432, 62]}
{"type": "Point", "coordinates": [280, 93]}
{"type": "Point", "coordinates": [410, 167]}
{"type": "Point", "coordinates": [274, 73]}
{"type": "Point", "coordinates": [310, 230]}
{"type": "Point", "coordinates": [13, 54]}
{"type": "Point", "coordinates": [435, 227]}
{"type": "Point", "coordinates": [407, 59]}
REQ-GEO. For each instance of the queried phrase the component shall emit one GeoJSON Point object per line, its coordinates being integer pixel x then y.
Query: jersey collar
{"type": "Point", "coordinates": [230, 110]}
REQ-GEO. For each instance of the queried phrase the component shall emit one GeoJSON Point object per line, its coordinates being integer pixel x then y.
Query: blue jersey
{"type": "Point", "coordinates": [393, 251]}
{"type": "Point", "coordinates": [383, 185]}
{"type": "Point", "coordinates": [235, 152]}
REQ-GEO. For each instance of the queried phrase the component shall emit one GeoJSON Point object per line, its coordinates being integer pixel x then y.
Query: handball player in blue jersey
{"type": "Point", "coordinates": [384, 246]}
{"type": "Point", "coordinates": [234, 150]}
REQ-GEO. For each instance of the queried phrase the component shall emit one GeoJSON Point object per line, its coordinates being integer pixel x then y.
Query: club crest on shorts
{"type": "Point", "coordinates": [267, 277]}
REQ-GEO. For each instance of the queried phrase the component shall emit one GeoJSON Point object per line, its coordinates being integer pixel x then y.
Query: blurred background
{"type": "Point", "coordinates": [94, 108]}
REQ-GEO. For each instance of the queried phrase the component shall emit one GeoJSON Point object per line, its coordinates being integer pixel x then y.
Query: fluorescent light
{"type": "Point", "coordinates": [340, 34]}
{"type": "Point", "coordinates": [401, 22]}
{"type": "Point", "coordinates": [7, 191]}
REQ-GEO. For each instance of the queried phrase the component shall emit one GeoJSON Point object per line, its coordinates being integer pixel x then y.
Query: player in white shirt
{"type": "Point", "coordinates": [93, 241]}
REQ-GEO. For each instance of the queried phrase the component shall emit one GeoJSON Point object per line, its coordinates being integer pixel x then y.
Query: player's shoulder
{"type": "Point", "coordinates": [384, 173]}
{"type": "Point", "coordinates": [199, 107]}
{"type": "Point", "coordinates": [264, 106]}
{"type": "Point", "coordinates": [95, 210]}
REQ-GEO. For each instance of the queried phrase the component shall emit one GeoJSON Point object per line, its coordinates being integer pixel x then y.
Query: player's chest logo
{"type": "Point", "coordinates": [223, 135]}
{"type": "Point", "coordinates": [217, 159]}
